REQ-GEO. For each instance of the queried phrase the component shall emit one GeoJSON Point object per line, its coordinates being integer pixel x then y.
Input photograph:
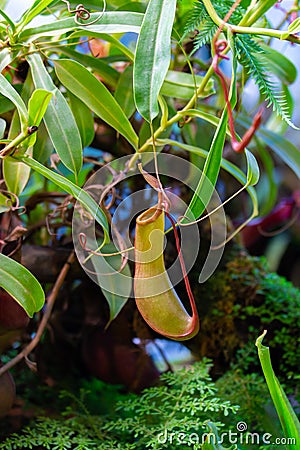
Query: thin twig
{"type": "Point", "coordinates": [48, 310]}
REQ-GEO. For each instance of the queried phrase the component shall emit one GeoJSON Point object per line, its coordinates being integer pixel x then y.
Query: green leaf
{"type": "Point", "coordinates": [231, 168]}
{"type": "Point", "coordinates": [181, 85]}
{"type": "Point", "coordinates": [109, 277]}
{"type": "Point", "coordinates": [3, 3]}
{"type": "Point", "coordinates": [16, 175]}
{"type": "Point", "coordinates": [287, 151]}
{"type": "Point", "coordinates": [37, 7]}
{"type": "Point", "coordinates": [253, 169]}
{"type": "Point", "coordinates": [59, 120]}
{"type": "Point", "coordinates": [213, 440]}
{"type": "Point", "coordinates": [270, 190]}
{"type": "Point", "coordinates": [210, 173]}
{"type": "Point", "coordinates": [106, 37]}
{"type": "Point", "coordinates": [37, 106]}
{"type": "Point", "coordinates": [6, 56]}
{"type": "Point", "coordinates": [84, 119]}
{"type": "Point", "coordinates": [111, 22]}
{"type": "Point", "coordinates": [5, 203]}
{"type": "Point", "coordinates": [278, 64]}
{"type": "Point", "coordinates": [152, 56]}
{"type": "Point", "coordinates": [107, 73]}
{"type": "Point", "coordinates": [43, 147]}
{"type": "Point", "coordinates": [258, 68]}
{"type": "Point", "coordinates": [124, 92]}
{"type": "Point", "coordinates": [294, 27]}
{"type": "Point", "coordinates": [96, 96]}
{"type": "Point", "coordinates": [82, 196]}
{"type": "Point", "coordinates": [275, 122]}
{"type": "Point", "coordinates": [9, 91]}
{"type": "Point", "coordinates": [288, 419]}
{"type": "Point", "coordinates": [21, 285]}
{"type": "Point", "coordinates": [2, 127]}
{"type": "Point", "coordinates": [6, 104]}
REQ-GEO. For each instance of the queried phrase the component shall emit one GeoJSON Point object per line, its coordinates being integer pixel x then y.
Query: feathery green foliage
{"type": "Point", "coordinates": [246, 50]}
{"type": "Point", "coordinates": [175, 412]}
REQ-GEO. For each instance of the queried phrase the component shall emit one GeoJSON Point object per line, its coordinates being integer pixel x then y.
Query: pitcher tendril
{"type": "Point", "coordinates": [82, 14]}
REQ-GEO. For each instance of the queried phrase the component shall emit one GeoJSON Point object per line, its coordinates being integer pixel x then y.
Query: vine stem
{"type": "Point", "coordinates": [49, 307]}
{"type": "Point", "coordinates": [174, 119]}
{"type": "Point", "coordinates": [244, 27]}
{"type": "Point", "coordinates": [10, 148]}
{"type": "Point", "coordinates": [270, 32]}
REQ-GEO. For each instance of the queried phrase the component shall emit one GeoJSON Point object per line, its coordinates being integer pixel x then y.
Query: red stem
{"type": "Point", "coordinates": [183, 269]}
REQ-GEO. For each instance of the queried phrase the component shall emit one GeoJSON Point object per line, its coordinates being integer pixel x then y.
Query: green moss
{"type": "Point", "coordinates": [241, 301]}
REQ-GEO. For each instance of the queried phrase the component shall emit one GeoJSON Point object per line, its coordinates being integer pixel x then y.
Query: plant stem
{"type": "Point", "coordinates": [256, 11]}
{"type": "Point", "coordinates": [280, 34]}
{"type": "Point", "coordinates": [49, 307]}
{"type": "Point", "coordinates": [244, 27]}
{"type": "Point", "coordinates": [173, 119]}
{"type": "Point", "coordinates": [9, 148]}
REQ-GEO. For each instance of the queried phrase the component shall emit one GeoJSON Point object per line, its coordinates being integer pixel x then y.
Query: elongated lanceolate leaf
{"type": "Point", "coordinates": [111, 22]}
{"type": "Point", "coordinates": [105, 37]}
{"type": "Point", "coordinates": [231, 168]}
{"type": "Point", "coordinates": [107, 73]}
{"type": "Point", "coordinates": [212, 164]}
{"type": "Point", "coordinates": [253, 169]}
{"type": "Point", "coordinates": [2, 127]}
{"type": "Point", "coordinates": [84, 119]}
{"type": "Point", "coordinates": [152, 57]}
{"type": "Point", "coordinates": [37, 106]}
{"type": "Point", "coordinates": [283, 148]}
{"type": "Point", "coordinates": [21, 285]}
{"type": "Point", "coordinates": [96, 96]}
{"type": "Point", "coordinates": [9, 91]}
{"type": "Point", "coordinates": [278, 64]}
{"type": "Point", "coordinates": [16, 174]}
{"type": "Point", "coordinates": [82, 196]}
{"type": "Point", "coordinates": [210, 173]}
{"type": "Point", "coordinates": [288, 419]}
{"type": "Point", "coordinates": [5, 203]}
{"type": "Point", "coordinates": [35, 9]}
{"type": "Point", "coordinates": [59, 119]}
{"type": "Point", "coordinates": [109, 277]}
{"type": "Point", "coordinates": [5, 58]}
{"type": "Point", "coordinates": [124, 92]}
{"type": "Point", "coordinates": [182, 85]}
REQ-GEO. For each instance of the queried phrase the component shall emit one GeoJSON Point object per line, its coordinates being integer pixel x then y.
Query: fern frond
{"type": "Point", "coordinates": [195, 17]}
{"type": "Point", "coordinates": [247, 50]}
{"type": "Point", "coordinates": [205, 34]}
{"type": "Point", "coordinates": [198, 16]}
{"type": "Point", "coordinates": [200, 21]}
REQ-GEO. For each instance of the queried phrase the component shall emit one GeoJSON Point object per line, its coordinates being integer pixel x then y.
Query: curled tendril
{"type": "Point", "coordinates": [13, 199]}
{"type": "Point", "coordinates": [220, 46]}
{"type": "Point", "coordinates": [280, 230]}
{"type": "Point", "coordinates": [58, 212]}
{"type": "Point", "coordinates": [182, 122]}
{"type": "Point", "coordinates": [82, 15]}
{"type": "Point", "coordinates": [123, 253]}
